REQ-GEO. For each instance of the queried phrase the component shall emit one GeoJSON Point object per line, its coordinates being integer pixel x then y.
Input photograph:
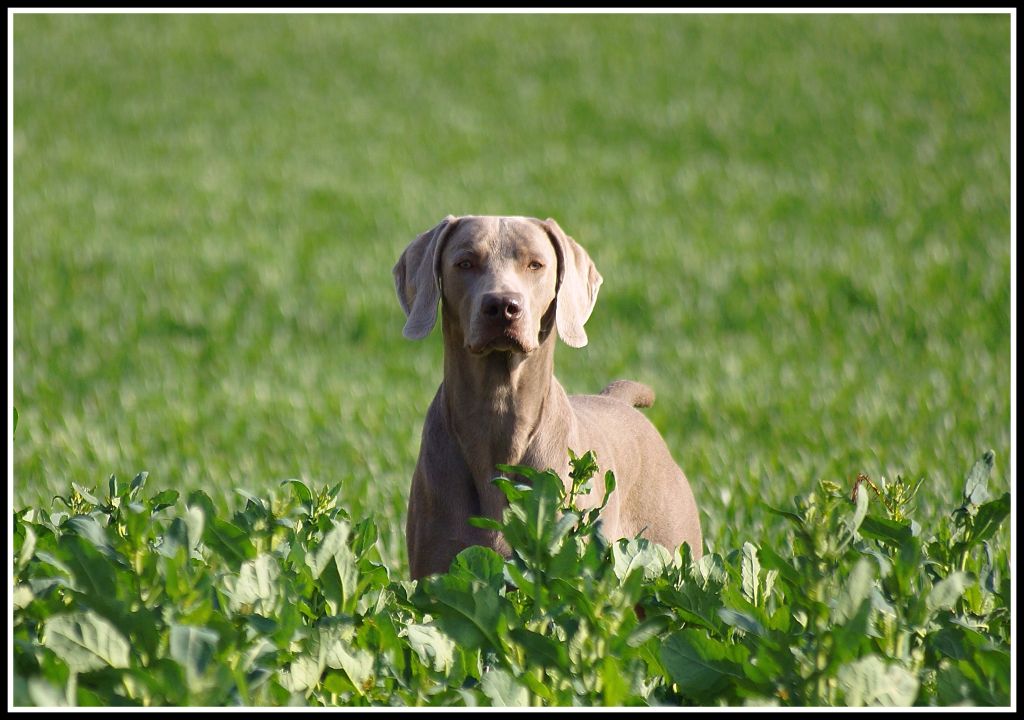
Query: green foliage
{"type": "Point", "coordinates": [129, 599]}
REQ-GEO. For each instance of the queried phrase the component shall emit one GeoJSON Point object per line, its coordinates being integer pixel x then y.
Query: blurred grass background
{"type": "Point", "coordinates": [802, 221]}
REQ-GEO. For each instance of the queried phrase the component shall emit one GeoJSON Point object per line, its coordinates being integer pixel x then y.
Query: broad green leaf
{"type": "Point", "coordinates": [540, 649]}
{"type": "Point", "coordinates": [138, 482]}
{"type": "Point", "coordinates": [517, 578]}
{"type": "Point", "coordinates": [503, 690]}
{"type": "Point", "coordinates": [163, 499]}
{"type": "Point", "coordinates": [228, 540]}
{"type": "Point", "coordinates": [882, 560]}
{"type": "Point", "coordinates": [86, 495]}
{"type": "Point", "coordinates": [981, 688]}
{"type": "Point", "coordinates": [514, 492]}
{"type": "Point", "coordinates": [769, 584]}
{"type": "Point", "coordinates": [649, 628]}
{"type": "Point", "coordinates": [435, 649]}
{"type": "Point", "coordinates": [86, 526]}
{"type": "Point", "coordinates": [198, 498]}
{"type": "Point", "coordinates": [568, 561]}
{"type": "Point", "coordinates": [86, 641]}
{"type": "Point", "coordinates": [52, 560]}
{"type": "Point", "coordinates": [27, 549]}
{"type": "Point", "coordinates": [482, 564]}
{"type": "Point", "coordinates": [173, 539]}
{"type": "Point", "coordinates": [580, 602]}
{"type": "Point", "coordinates": [371, 591]}
{"type": "Point", "coordinates": [333, 543]}
{"type": "Point", "coordinates": [880, 604]}
{"type": "Point", "coordinates": [195, 522]}
{"type": "Point", "coordinates": [301, 674]}
{"type": "Point", "coordinates": [954, 688]}
{"type": "Point", "coordinates": [22, 596]}
{"type": "Point", "coordinates": [615, 686]}
{"type": "Point", "coordinates": [339, 653]}
{"type": "Point", "coordinates": [990, 516]}
{"type": "Point", "coordinates": [750, 569]}
{"type": "Point", "coordinates": [465, 608]}
{"type": "Point", "coordinates": [338, 683]}
{"type": "Point", "coordinates": [698, 664]}
{"type": "Point", "coordinates": [995, 666]}
{"type": "Point", "coordinates": [695, 605]}
{"type": "Point", "coordinates": [260, 648]}
{"type": "Point", "coordinates": [743, 621]}
{"type": "Point", "coordinates": [256, 588]}
{"type": "Point", "coordinates": [192, 648]}
{"type": "Point", "coordinates": [609, 488]}
{"type": "Point", "coordinates": [773, 560]}
{"type": "Point", "coordinates": [161, 678]}
{"type": "Point", "coordinates": [860, 511]}
{"type": "Point", "coordinates": [890, 531]}
{"type": "Point", "coordinates": [334, 564]}
{"type": "Point", "coordinates": [136, 520]}
{"type": "Point", "coordinates": [256, 500]}
{"type": "Point", "coordinates": [93, 571]}
{"type": "Point", "coordinates": [976, 485]}
{"type": "Point", "coordinates": [851, 634]}
{"type": "Point", "coordinates": [300, 490]}
{"type": "Point", "coordinates": [855, 590]}
{"type": "Point", "coordinates": [791, 516]}
{"type": "Point", "coordinates": [540, 504]}
{"type": "Point", "coordinates": [565, 523]}
{"type": "Point", "coordinates": [44, 694]}
{"type": "Point", "coordinates": [781, 619]}
{"type": "Point", "coordinates": [946, 592]}
{"type": "Point", "coordinates": [522, 470]}
{"type": "Point", "coordinates": [639, 553]}
{"type": "Point", "coordinates": [870, 681]}
{"type": "Point", "coordinates": [710, 569]}
{"type": "Point", "coordinates": [471, 617]}
{"type": "Point", "coordinates": [485, 523]}
{"type": "Point", "coordinates": [364, 539]}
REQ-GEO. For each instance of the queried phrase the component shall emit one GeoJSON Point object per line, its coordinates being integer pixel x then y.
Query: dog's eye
{"type": "Point", "coordinates": [536, 265]}
{"type": "Point", "coordinates": [464, 264]}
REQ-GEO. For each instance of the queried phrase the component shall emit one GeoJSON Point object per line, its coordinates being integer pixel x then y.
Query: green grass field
{"type": "Point", "coordinates": [803, 223]}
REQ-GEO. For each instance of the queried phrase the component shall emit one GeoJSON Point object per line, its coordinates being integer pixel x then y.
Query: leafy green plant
{"type": "Point", "coordinates": [126, 599]}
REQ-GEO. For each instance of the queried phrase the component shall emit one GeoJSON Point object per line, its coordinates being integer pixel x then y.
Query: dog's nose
{"type": "Point", "coordinates": [502, 306]}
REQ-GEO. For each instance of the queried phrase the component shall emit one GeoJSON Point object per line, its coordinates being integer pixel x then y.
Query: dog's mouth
{"type": "Point", "coordinates": [507, 341]}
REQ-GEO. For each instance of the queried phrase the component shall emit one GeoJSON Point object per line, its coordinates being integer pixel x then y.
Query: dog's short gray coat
{"type": "Point", "coordinates": [505, 284]}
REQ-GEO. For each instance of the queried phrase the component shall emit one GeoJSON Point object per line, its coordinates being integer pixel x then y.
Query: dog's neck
{"type": "Point", "coordinates": [495, 404]}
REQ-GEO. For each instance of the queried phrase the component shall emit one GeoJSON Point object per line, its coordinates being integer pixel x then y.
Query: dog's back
{"type": "Point", "coordinates": [631, 392]}
{"type": "Point", "coordinates": [654, 497]}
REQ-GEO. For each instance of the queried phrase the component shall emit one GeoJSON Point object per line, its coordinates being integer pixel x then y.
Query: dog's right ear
{"type": "Point", "coordinates": [417, 281]}
{"type": "Point", "coordinates": [577, 285]}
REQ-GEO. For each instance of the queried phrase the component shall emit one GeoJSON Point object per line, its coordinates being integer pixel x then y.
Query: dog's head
{"type": "Point", "coordinates": [502, 278]}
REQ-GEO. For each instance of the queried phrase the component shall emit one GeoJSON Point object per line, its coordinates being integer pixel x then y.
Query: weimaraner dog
{"type": "Point", "coordinates": [504, 283]}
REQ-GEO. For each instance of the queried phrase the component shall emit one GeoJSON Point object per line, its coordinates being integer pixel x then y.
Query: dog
{"type": "Point", "coordinates": [506, 286]}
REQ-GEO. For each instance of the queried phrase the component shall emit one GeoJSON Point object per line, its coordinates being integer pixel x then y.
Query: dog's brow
{"type": "Point", "coordinates": [517, 239]}
{"type": "Point", "coordinates": [468, 241]}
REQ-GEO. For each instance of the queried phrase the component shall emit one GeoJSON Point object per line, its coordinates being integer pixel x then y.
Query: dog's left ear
{"type": "Point", "coordinates": [578, 283]}
{"type": "Point", "coordinates": [417, 282]}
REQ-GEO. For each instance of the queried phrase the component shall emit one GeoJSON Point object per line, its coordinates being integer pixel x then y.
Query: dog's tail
{"type": "Point", "coordinates": [628, 391]}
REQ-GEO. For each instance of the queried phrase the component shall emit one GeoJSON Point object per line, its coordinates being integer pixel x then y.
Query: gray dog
{"type": "Point", "coordinates": [504, 284]}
